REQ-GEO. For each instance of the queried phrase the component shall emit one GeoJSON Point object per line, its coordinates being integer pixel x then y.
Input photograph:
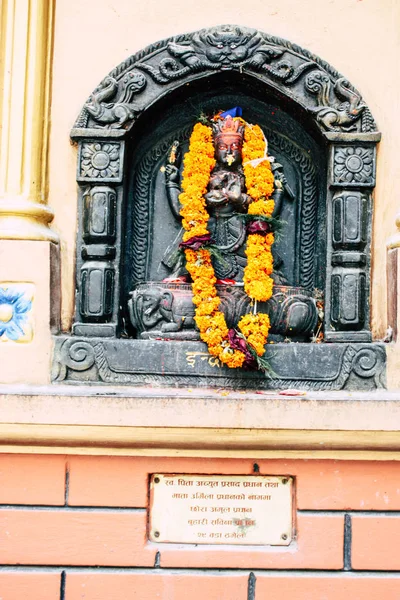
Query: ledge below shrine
{"type": "Point", "coordinates": [199, 422]}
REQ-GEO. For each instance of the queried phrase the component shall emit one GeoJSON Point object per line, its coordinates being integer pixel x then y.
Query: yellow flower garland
{"type": "Point", "coordinates": [198, 164]}
{"type": "Point", "coordinates": [260, 185]}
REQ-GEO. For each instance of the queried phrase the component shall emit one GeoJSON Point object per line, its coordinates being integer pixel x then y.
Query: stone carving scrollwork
{"type": "Point", "coordinates": [369, 363]}
{"type": "Point", "coordinates": [123, 95]}
{"type": "Point", "coordinates": [225, 47]}
{"type": "Point", "coordinates": [76, 355]}
{"type": "Point", "coordinates": [338, 106]}
{"type": "Point", "coordinates": [351, 365]}
{"type": "Point", "coordinates": [122, 110]}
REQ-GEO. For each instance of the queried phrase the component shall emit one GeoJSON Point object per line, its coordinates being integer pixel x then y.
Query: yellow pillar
{"type": "Point", "coordinates": [29, 285]}
{"type": "Point", "coordinates": [26, 32]}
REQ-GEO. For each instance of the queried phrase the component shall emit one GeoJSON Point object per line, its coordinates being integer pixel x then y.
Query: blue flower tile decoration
{"type": "Point", "coordinates": [15, 312]}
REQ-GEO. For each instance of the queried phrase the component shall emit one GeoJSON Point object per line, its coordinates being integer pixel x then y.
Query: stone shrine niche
{"type": "Point", "coordinates": [134, 323]}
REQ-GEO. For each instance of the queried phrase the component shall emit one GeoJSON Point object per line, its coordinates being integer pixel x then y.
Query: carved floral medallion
{"type": "Point", "coordinates": [100, 161]}
{"type": "Point", "coordinates": [354, 166]}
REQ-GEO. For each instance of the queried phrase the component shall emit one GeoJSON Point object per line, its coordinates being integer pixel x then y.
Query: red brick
{"type": "Point", "coordinates": [343, 587]}
{"type": "Point", "coordinates": [375, 543]}
{"type": "Point", "coordinates": [341, 485]}
{"type": "Point", "coordinates": [32, 586]}
{"type": "Point", "coordinates": [160, 586]}
{"type": "Point", "coordinates": [107, 481]}
{"type": "Point", "coordinates": [319, 546]}
{"type": "Point", "coordinates": [48, 537]}
{"type": "Point", "coordinates": [121, 481]}
{"type": "Point", "coordinates": [26, 479]}
{"type": "Point", "coordinates": [321, 484]}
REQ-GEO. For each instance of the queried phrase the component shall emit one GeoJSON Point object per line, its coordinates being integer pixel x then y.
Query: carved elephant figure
{"type": "Point", "coordinates": [156, 308]}
{"type": "Point", "coordinates": [293, 313]}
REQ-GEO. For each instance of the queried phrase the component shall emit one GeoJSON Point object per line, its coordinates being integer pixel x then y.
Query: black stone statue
{"type": "Point", "coordinates": [226, 199]}
{"type": "Point", "coordinates": [164, 309]}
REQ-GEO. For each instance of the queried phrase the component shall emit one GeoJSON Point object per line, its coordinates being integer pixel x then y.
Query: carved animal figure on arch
{"type": "Point", "coordinates": [341, 116]}
{"type": "Point", "coordinates": [118, 113]}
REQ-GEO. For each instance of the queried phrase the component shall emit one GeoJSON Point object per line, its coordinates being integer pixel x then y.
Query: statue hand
{"type": "Point", "coordinates": [280, 179]}
{"type": "Point", "coordinates": [234, 192]}
{"type": "Point", "coordinates": [171, 174]}
{"type": "Point", "coordinates": [216, 198]}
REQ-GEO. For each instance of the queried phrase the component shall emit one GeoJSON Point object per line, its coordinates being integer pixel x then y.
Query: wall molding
{"type": "Point", "coordinates": [165, 422]}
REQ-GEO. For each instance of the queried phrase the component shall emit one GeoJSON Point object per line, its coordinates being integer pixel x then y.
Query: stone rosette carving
{"type": "Point", "coordinates": [100, 161]}
{"type": "Point", "coordinates": [16, 317]}
{"type": "Point", "coordinates": [354, 166]}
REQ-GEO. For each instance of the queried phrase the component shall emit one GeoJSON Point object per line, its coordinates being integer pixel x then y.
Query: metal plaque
{"type": "Point", "coordinates": [221, 509]}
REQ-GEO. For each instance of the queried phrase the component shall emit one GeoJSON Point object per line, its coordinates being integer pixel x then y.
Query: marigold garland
{"type": "Point", "coordinates": [254, 328]}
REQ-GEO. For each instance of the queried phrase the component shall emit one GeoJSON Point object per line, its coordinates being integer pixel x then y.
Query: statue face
{"type": "Point", "coordinates": [228, 152]}
{"type": "Point", "coordinates": [228, 45]}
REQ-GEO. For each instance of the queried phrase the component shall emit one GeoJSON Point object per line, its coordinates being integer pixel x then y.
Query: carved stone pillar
{"type": "Point", "coordinates": [100, 169]}
{"type": "Point", "coordinates": [26, 45]}
{"type": "Point", "coordinates": [349, 206]}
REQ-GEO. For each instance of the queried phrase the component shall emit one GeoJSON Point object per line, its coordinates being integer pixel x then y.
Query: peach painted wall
{"type": "Point", "coordinates": [360, 38]}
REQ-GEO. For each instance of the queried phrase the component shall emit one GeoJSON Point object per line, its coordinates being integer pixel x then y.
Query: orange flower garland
{"type": "Point", "coordinates": [257, 279]}
{"type": "Point", "coordinates": [198, 164]}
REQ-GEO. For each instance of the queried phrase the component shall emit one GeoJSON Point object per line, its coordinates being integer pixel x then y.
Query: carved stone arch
{"type": "Point", "coordinates": [333, 111]}
{"type": "Point", "coordinates": [133, 86]}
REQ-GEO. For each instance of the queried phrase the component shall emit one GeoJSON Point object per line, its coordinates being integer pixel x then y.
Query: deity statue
{"type": "Point", "coordinates": [165, 309]}
{"type": "Point", "coordinates": [226, 200]}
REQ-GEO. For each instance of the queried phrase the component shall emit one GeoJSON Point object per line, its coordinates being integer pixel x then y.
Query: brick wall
{"type": "Point", "coordinates": [74, 528]}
